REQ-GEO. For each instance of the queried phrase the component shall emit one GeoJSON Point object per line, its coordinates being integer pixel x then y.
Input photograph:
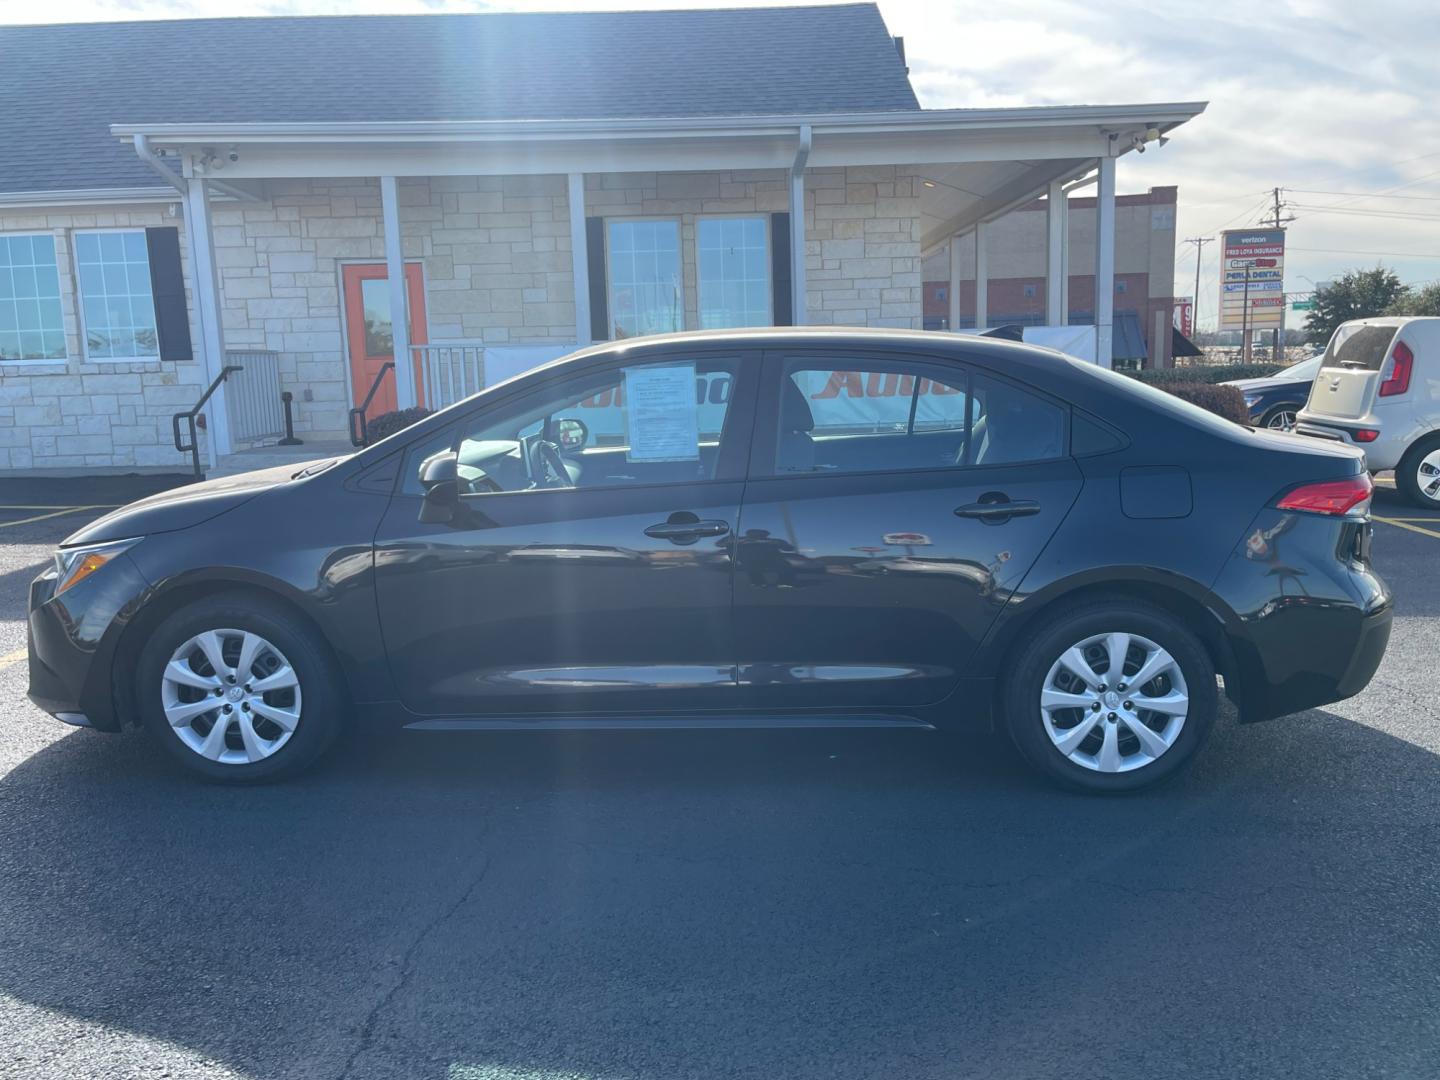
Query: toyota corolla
{"type": "Point", "coordinates": [772, 529]}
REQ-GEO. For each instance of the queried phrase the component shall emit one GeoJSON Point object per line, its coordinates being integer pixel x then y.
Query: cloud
{"type": "Point", "coordinates": [1323, 95]}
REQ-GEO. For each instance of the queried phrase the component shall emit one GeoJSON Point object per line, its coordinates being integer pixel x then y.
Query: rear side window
{"type": "Point", "coordinates": [881, 416]}
{"type": "Point", "coordinates": [1360, 345]}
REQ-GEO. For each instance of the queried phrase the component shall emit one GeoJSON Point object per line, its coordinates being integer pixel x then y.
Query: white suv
{"type": "Point", "coordinates": [1379, 389]}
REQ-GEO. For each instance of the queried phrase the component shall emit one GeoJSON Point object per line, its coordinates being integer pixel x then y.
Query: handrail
{"type": "Point", "coordinates": [358, 412]}
{"type": "Point", "coordinates": [189, 417]}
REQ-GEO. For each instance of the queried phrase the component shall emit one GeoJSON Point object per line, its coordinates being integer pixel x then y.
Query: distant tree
{"type": "Point", "coordinates": [1360, 294]}
{"type": "Point", "coordinates": [1424, 301]}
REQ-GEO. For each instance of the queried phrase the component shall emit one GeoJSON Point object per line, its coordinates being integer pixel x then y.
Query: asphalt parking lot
{"type": "Point", "coordinates": [820, 904]}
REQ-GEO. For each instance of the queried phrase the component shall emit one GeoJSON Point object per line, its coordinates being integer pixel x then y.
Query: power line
{"type": "Point", "coordinates": [1350, 251]}
{"type": "Point", "coordinates": [1399, 215]}
{"type": "Point", "coordinates": [1366, 194]}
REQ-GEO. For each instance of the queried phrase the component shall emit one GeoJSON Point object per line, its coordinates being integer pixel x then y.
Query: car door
{"type": "Point", "coordinates": [606, 589]}
{"type": "Point", "coordinates": [894, 506]}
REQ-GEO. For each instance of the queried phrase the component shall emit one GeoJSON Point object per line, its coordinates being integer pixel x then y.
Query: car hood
{"type": "Point", "coordinates": [184, 507]}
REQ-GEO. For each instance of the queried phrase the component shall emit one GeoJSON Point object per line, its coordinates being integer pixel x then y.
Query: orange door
{"type": "Point", "coordinates": [367, 331]}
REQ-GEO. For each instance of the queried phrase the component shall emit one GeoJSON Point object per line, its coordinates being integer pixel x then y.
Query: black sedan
{"type": "Point", "coordinates": [774, 529]}
{"type": "Point", "coordinates": [1274, 400]}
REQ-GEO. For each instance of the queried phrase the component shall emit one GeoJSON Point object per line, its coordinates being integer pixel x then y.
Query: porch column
{"type": "Point", "coordinates": [1064, 208]}
{"type": "Point", "coordinates": [207, 296]}
{"type": "Point", "coordinates": [579, 257]}
{"type": "Point", "coordinates": [1054, 253]}
{"type": "Point", "coordinates": [405, 392]}
{"type": "Point", "coordinates": [798, 315]}
{"type": "Point", "coordinates": [982, 277]}
{"type": "Point", "coordinates": [954, 293]}
{"type": "Point", "coordinates": [1105, 263]}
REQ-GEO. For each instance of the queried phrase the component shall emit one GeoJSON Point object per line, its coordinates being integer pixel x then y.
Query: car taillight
{"type": "Point", "coordinates": [1402, 360]}
{"type": "Point", "coordinates": [1365, 434]}
{"type": "Point", "coordinates": [1335, 497]}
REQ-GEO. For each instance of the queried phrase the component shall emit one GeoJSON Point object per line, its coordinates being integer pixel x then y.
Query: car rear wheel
{"type": "Point", "coordinates": [1112, 697]}
{"type": "Point", "coordinates": [1418, 474]}
{"type": "Point", "coordinates": [1281, 418]}
{"type": "Point", "coordinates": [236, 689]}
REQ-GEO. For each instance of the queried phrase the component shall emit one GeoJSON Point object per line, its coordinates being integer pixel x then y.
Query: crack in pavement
{"type": "Point", "coordinates": [406, 969]}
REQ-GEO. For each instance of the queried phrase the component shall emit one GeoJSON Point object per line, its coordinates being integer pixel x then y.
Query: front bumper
{"type": "Point", "coordinates": [72, 642]}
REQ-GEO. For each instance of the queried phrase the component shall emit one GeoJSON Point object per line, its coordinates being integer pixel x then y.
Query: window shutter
{"type": "Point", "coordinates": [780, 269]}
{"type": "Point", "coordinates": [595, 259]}
{"type": "Point", "coordinates": [167, 287]}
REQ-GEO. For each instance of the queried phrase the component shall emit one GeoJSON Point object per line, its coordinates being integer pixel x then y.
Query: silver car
{"type": "Point", "coordinates": [1379, 389]}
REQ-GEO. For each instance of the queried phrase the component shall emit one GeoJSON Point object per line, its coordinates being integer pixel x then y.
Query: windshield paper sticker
{"type": "Point", "coordinates": [661, 414]}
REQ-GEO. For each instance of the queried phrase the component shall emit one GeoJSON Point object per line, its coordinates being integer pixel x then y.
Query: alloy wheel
{"type": "Point", "coordinates": [231, 696]}
{"type": "Point", "coordinates": [1284, 420]}
{"type": "Point", "coordinates": [1427, 475]}
{"type": "Point", "coordinates": [1114, 702]}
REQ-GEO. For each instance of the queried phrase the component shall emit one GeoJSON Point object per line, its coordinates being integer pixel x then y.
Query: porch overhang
{"type": "Point", "coordinates": [979, 162]}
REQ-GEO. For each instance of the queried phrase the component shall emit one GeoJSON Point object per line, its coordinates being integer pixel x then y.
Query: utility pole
{"type": "Point", "coordinates": [1199, 242]}
{"type": "Point", "coordinates": [1279, 332]}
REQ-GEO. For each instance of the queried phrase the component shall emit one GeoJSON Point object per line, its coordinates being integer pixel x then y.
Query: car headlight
{"type": "Point", "coordinates": [73, 565]}
{"type": "Point", "coordinates": [1251, 400]}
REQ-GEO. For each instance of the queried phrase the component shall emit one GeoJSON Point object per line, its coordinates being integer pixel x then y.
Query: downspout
{"type": "Point", "coordinates": [798, 314]}
{"type": "Point", "coordinates": [142, 147]}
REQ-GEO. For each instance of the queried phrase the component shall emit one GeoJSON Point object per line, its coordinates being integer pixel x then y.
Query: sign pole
{"type": "Point", "coordinates": [1245, 321]}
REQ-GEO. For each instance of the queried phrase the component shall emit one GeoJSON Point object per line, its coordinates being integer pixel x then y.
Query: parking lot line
{"type": "Point", "coordinates": [1405, 523]}
{"type": "Point", "coordinates": [54, 512]}
{"type": "Point", "coordinates": [13, 657]}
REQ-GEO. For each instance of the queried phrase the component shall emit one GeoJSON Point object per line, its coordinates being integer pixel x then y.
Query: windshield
{"type": "Point", "coordinates": [1305, 369]}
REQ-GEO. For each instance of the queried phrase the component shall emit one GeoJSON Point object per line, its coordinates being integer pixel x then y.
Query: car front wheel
{"type": "Point", "coordinates": [237, 689]}
{"type": "Point", "coordinates": [1418, 474]}
{"type": "Point", "coordinates": [1111, 697]}
{"type": "Point", "coordinates": [1281, 418]}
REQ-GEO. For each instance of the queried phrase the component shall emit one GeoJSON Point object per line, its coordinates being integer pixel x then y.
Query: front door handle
{"type": "Point", "coordinates": [995, 507]}
{"type": "Point", "coordinates": [681, 532]}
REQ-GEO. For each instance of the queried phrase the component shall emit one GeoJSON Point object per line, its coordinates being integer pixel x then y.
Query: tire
{"type": "Point", "coordinates": [1275, 417]}
{"type": "Point", "coordinates": [175, 680]}
{"type": "Point", "coordinates": [1418, 471]}
{"type": "Point", "coordinates": [1109, 757]}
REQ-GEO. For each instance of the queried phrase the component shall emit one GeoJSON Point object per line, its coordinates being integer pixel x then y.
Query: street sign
{"type": "Point", "coordinates": [1302, 305]}
{"type": "Point", "coordinates": [1252, 279]}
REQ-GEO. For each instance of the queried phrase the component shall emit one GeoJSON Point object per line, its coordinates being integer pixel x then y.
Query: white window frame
{"type": "Point", "coordinates": [48, 361]}
{"type": "Point", "coordinates": [679, 224]}
{"type": "Point", "coordinates": [769, 266]}
{"type": "Point", "coordinates": [84, 330]}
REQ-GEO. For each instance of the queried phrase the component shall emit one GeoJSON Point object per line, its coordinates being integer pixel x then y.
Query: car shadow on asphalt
{"type": "Point", "coordinates": [712, 904]}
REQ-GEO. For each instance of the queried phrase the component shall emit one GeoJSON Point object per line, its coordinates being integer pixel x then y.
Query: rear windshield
{"type": "Point", "coordinates": [1359, 345]}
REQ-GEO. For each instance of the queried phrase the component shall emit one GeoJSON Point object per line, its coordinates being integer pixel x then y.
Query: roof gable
{"type": "Point", "coordinates": [65, 84]}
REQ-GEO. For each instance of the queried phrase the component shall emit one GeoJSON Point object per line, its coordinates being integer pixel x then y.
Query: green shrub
{"type": "Point", "coordinates": [387, 424]}
{"type": "Point", "coordinates": [1226, 401]}
{"type": "Point", "coordinates": [1204, 373]}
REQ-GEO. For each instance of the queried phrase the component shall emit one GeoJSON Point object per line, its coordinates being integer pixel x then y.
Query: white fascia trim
{"type": "Point", "coordinates": [86, 197]}
{"type": "Point", "coordinates": [1164, 116]}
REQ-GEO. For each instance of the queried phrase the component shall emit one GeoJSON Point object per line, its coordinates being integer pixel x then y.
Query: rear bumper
{"type": "Point", "coordinates": [1381, 454]}
{"type": "Point", "coordinates": [1313, 617]}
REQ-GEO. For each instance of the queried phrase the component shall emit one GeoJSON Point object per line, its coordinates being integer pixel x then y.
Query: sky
{"type": "Point", "coordinates": [1338, 103]}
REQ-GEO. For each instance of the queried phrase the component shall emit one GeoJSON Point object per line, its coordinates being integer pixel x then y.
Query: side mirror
{"type": "Point", "coordinates": [571, 434]}
{"type": "Point", "coordinates": [440, 477]}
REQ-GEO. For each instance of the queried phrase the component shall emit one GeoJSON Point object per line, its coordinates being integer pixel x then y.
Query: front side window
{"type": "Point", "coordinates": [114, 269]}
{"type": "Point", "coordinates": [653, 423]}
{"type": "Point", "coordinates": [31, 324]}
{"type": "Point", "coordinates": [645, 289]}
{"type": "Point", "coordinates": [734, 277]}
{"type": "Point", "coordinates": [902, 415]}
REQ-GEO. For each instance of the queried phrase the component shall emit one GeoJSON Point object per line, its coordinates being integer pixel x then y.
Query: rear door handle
{"type": "Point", "coordinates": [997, 509]}
{"type": "Point", "coordinates": [680, 531]}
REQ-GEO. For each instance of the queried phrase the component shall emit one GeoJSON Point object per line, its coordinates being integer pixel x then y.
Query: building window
{"type": "Point", "coordinates": [646, 296]}
{"type": "Point", "coordinates": [1122, 286]}
{"type": "Point", "coordinates": [942, 294]}
{"type": "Point", "coordinates": [734, 272]}
{"type": "Point", "coordinates": [31, 324]}
{"type": "Point", "coordinates": [1029, 291]}
{"type": "Point", "coordinates": [114, 270]}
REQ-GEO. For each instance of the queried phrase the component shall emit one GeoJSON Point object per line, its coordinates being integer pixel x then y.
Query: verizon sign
{"type": "Point", "coordinates": [1252, 279]}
